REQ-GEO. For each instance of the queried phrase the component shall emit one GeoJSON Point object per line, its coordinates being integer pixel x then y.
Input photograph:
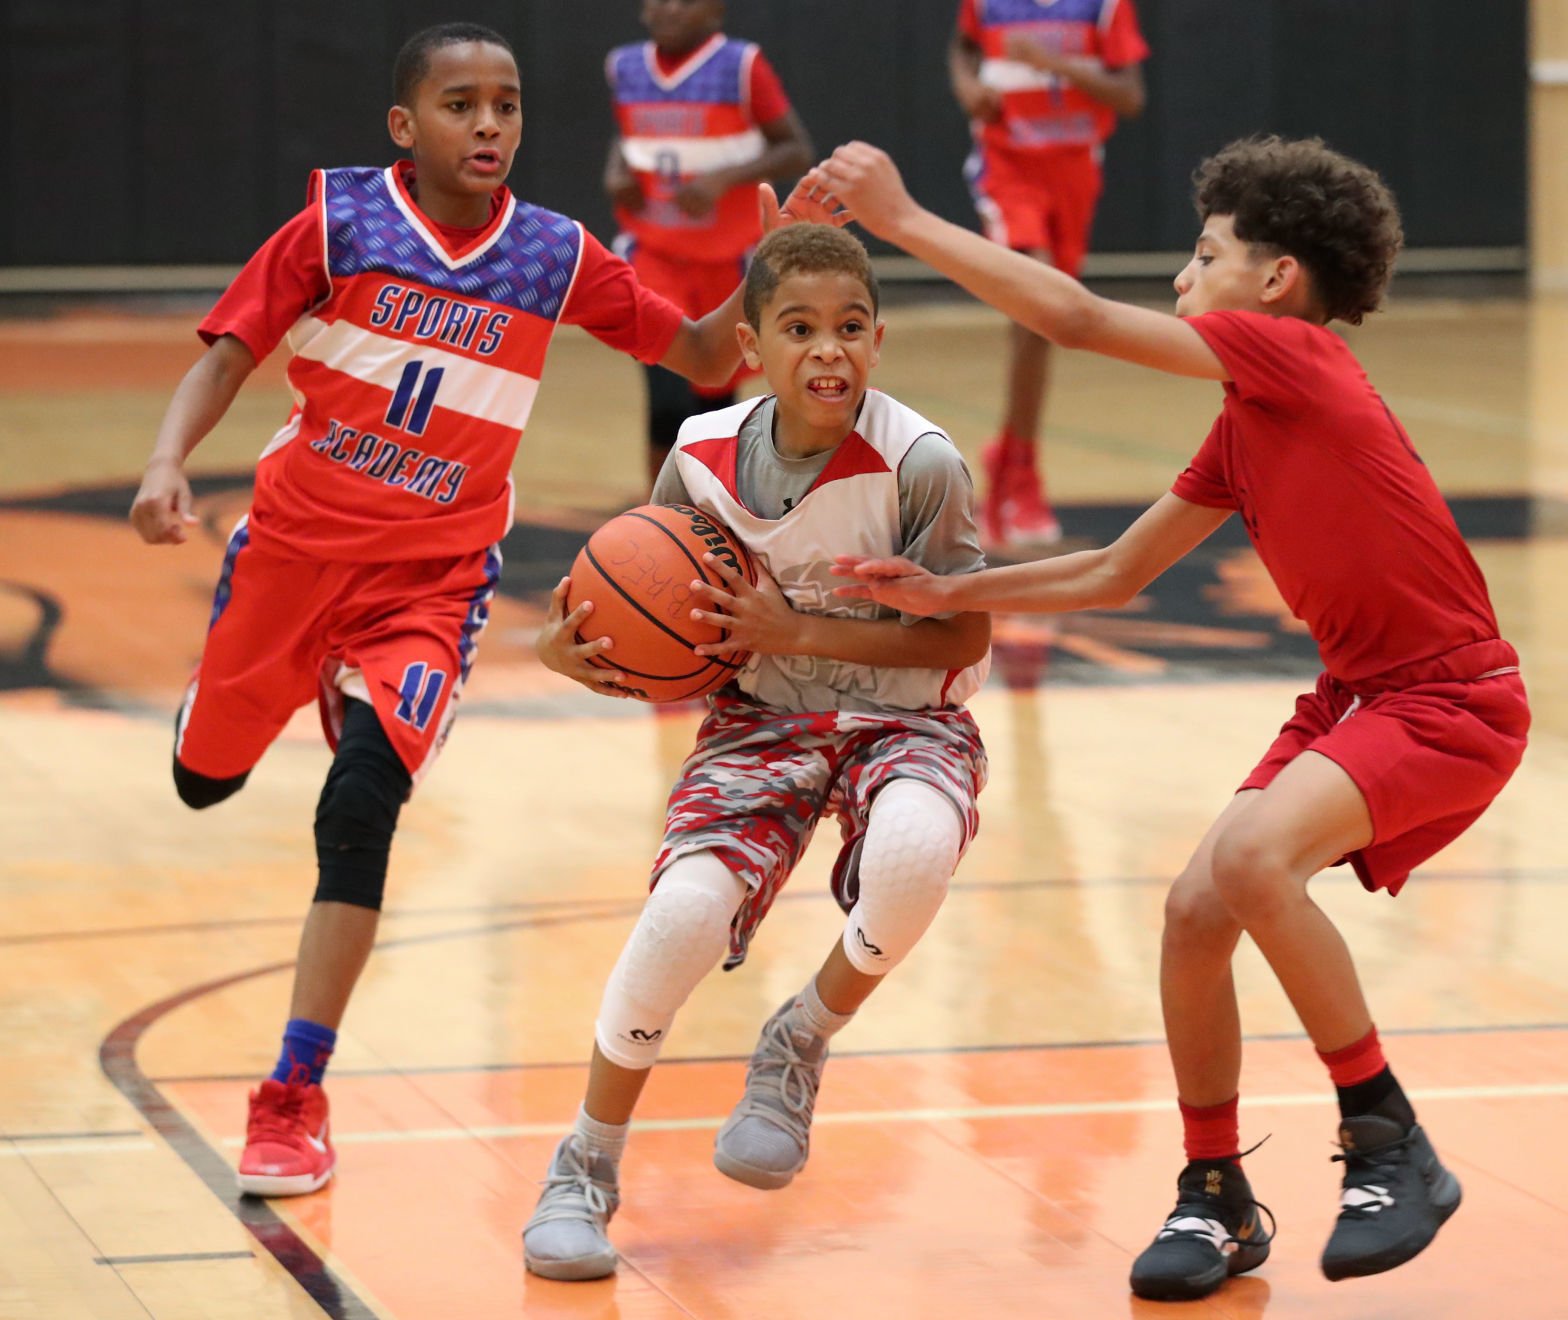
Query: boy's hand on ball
{"type": "Point", "coordinates": [559, 649]}
{"type": "Point", "coordinates": [757, 618]}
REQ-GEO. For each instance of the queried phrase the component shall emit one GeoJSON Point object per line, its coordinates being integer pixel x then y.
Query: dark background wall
{"type": "Point", "coordinates": [173, 131]}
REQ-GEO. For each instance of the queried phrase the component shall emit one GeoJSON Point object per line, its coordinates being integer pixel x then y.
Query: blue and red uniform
{"type": "Point", "coordinates": [1035, 172]}
{"type": "Point", "coordinates": [679, 119]}
{"type": "Point", "coordinates": [368, 559]}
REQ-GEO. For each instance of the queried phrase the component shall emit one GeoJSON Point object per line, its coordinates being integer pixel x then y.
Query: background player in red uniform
{"type": "Point", "coordinates": [1416, 724]}
{"type": "Point", "coordinates": [1043, 82]}
{"type": "Point", "coordinates": [701, 119]}
{"type": "Point", "coordinates": [418, 302]}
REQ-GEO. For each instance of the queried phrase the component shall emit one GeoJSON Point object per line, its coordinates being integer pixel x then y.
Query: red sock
{"type": "Point", "coordinates": [1355, 1063]}
{"type": "Point", "coordinates": [1211, 1132]}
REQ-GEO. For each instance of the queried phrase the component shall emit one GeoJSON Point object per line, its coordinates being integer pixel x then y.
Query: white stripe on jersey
{"type": "Point", "coordinates": [692, 155]}
{"type": "Point", "coordinates": [689, 66]}
{"type": "Point", "coordinates": [417, 223]}
{"type": "Point", "coordinates": [475, 389]}
{"type": "Point", "coordinates": [284, 434]}
{"type": "Point", "coordinates": [1015, 76]}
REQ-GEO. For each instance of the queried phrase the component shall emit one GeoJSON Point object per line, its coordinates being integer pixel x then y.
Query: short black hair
{"type": "Point", "coordinates": [413, 61]}
{"type": "Point", "coordinates": [805, 249]}
{"type": "Point", "coordinates": [1299, 198]}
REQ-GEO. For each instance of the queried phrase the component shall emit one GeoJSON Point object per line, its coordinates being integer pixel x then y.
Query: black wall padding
{"type": "Point", "coordinates": [171, 131]}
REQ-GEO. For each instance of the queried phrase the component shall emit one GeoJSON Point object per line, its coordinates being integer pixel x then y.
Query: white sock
{"type": "Point", "coordinates": [822, 1020]}
{"type": "Point", "coordinates": [607, 1139]}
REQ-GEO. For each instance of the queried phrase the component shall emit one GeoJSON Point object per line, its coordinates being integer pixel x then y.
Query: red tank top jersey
{"type": "Point", "coordinates": [704, 114]}
{"type": "Point", "coordinates": [416, 358]}
{"type": "Point", "coordinates": [1039, 110]}
{"type": "Point", "coordinates": [1342, 511]}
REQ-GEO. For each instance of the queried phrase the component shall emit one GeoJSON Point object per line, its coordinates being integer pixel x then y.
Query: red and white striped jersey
{"type": "Point", "coordinates": [692, 120]}
{"type": "Point", "coordinates": [413, 379]}
{"type": "Point", "coordinates": [1040, 110]}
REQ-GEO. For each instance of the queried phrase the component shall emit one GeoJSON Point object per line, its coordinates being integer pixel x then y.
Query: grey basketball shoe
{"type": "Point", "coordinates": [566, 1238]}
{"type": "Point", "coordinates": [767, 1137]}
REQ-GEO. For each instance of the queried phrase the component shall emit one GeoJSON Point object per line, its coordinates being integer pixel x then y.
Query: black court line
{"type": "Point", "coordinates": [175, 1257]}
{"type": "Point", "coordinates": [594, 907]}
{"type": "Point", "coordinates": [70, 1136]}
{"type": "Point", "coordinates": [117, 1058]}
{"type": "Point", "coordinates": [902, 1051]}
{"type": "Point", "coordinates": [293, 919]}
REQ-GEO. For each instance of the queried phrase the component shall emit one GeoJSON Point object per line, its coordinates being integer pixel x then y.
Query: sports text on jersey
{"type": "Point", "coordinates": [415, 314]}
{"type": "Point", "coordinates": [667, 120]}
{"type": "Point", "coordinates": [401, 467]}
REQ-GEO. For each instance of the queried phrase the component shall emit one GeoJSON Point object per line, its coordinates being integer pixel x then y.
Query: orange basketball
{"type": "Point", "coordinates": [637, 570]}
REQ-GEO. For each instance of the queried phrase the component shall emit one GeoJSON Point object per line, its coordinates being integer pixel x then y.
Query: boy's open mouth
{"type": "Point", "coordinates": [487, 161]}
{"type": "Point", "coordinates": [831, 388]}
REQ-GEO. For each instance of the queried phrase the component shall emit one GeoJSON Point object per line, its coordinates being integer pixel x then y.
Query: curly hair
{"type": "Point", "coordinates": [1299, 198]}
{"type": "Point", "coordinates": [413, 60]}
{"type": "Point", "coordinates": [802, 249]}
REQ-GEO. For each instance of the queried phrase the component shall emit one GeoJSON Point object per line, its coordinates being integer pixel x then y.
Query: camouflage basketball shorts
{"type": "Point", "coordinates": [760, 779]}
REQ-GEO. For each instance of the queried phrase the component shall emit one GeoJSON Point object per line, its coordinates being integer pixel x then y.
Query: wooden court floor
{"type": "Point", "coordinates": [996, 1136]}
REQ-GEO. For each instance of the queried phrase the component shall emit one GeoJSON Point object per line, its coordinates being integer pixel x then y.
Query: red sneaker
{"type": "Point", "coordinates": [288, 1147]}
{"type": "Point", "coordinates": [995, 464]}
{"type": "Point", "coordinates": [1027, 517]}
{"type": "Point", "coordinates": [1013, 510]}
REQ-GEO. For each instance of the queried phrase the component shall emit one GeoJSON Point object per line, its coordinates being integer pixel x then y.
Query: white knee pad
{"type": "Point", "coordinates": [913, 839]}
{"type": "Point", "coordinates": [683, 931]}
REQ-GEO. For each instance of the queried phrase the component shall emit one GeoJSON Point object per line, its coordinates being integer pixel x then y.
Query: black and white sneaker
{"type": "Point", "coordinates": [1395, 1197]}
{"type": "Point", "coordinates": [1215, 1231]}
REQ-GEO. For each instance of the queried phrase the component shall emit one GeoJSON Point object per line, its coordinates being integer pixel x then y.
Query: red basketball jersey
{"type": "Point", "coordinates": [1040, 110]}
{"type": "Point", "coordinates": [703, 115]}
{"type": "Point", "coordinates": [1341, 509]}
{"type": "Point", "coordinates": [415, 363]}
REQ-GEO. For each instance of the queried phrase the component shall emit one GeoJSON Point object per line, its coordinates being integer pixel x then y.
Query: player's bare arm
{"type": "Point", "coordinates": [863, 179]}
{"type": "Point", "coordinates": [558, 648]}
{"type": "Point", "coordinates": [1091, 579]}
{"type": "Point", "coordinates": [974, 98]}
{"type": "Point", "coordinates": [1122, 89]}
{"type": "Point", "coordinates": [161, 511]}
{"type": "Point", "coordinates": [787, 152]}
{"type": "Point", "coordinates": [761, 619]}
{"type": "Point", "coordinates": [620, 184]}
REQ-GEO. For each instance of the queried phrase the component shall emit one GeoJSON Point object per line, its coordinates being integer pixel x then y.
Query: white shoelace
{"type": "Point", "coordinates": [570, 1192]}
{"type": "Point", "coordinates": [795, 1087]}
{"type": "Point", "coordinates": [1197, 1226]}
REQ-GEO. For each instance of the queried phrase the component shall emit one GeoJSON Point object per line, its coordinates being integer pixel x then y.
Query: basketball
{"type": "Point", "coordinates": [637, 570]}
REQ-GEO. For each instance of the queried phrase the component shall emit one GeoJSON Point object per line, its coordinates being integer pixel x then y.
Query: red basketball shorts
{"type": "Point", "coordinates": [1428, 758]}
{"type": "Point", "coordinates": [760, 778]}
{"type": "Point", "coordinates": [696, 287]}
{"type": "Point", "coordinates": [1038, 201]}
{"type": "Point", "coordinates": [286, 631]}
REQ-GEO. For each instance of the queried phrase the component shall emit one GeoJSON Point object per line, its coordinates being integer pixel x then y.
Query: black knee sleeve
{"type": "Point", "coordinates": [358, 811]}
{"type": "Point", "coordinates": [198, 791]}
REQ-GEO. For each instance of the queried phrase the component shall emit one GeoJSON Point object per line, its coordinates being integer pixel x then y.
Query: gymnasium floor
{"type": "Point", "coordinates": [996, 1135]}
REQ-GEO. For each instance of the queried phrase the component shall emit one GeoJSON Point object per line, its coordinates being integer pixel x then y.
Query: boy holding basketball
{"type": "Point", "coordinates": [1417, 723]}
{"type": "Point", "coordinates": [843, 709]}
{"type": "Point", "coordinates": [419, 302]}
